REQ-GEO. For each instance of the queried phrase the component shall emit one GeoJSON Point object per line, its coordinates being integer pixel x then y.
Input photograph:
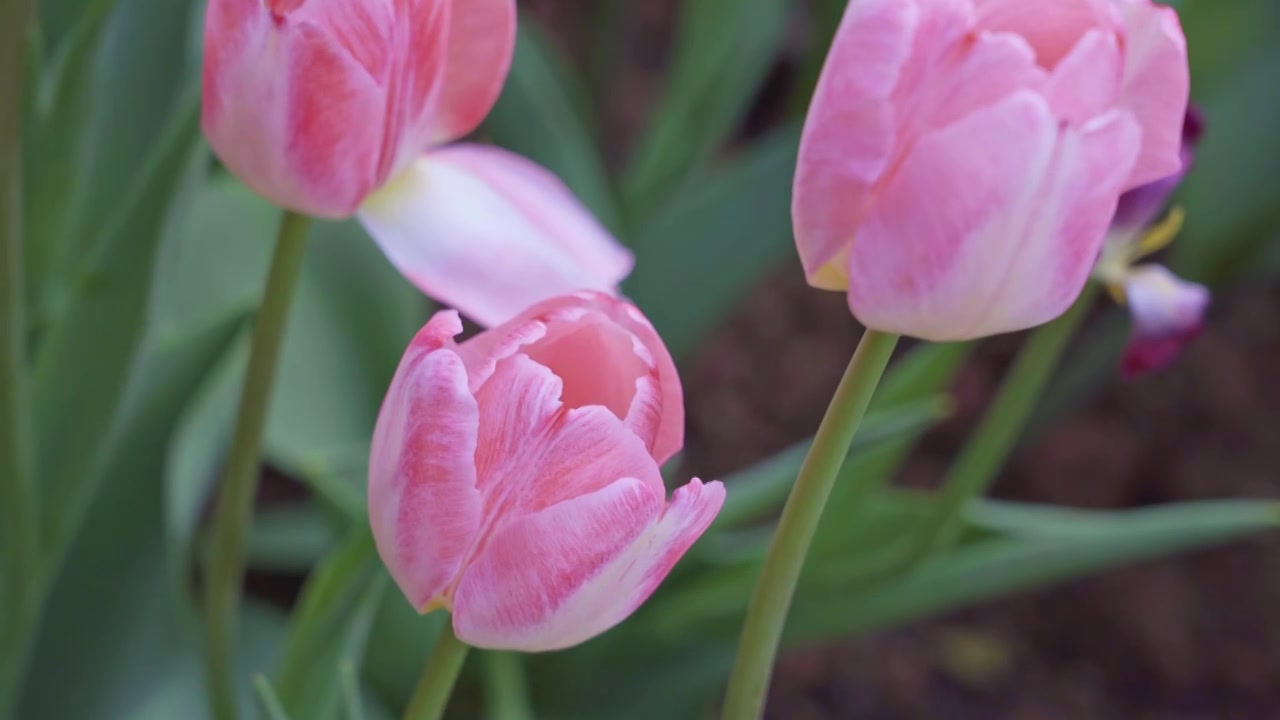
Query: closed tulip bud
{"type": "Point", "coordinates": [962, 159]}
{"type": "Point", "coordinates": [514, 478]}
{"type": "Point", "coordinates": [335, 108]}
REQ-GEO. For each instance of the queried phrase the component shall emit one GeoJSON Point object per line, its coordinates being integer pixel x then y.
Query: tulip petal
{"type": "Point", "coordinates": [564, 575]}
{"type": "Point", "coordinates": [424, 506]}
{"type": "Point", "coordinates": [1017, 210]}
{"type": "Point", "coordinates": [1168, 313]}
{"type": "Point", "coordinates": [1087, 81]}
{"type": "Point", "coordinates": [533, 452]}
{"type": "Point", "coordinates": [1052, 27]}
{"type": "Point", "coordinates": [290, 110]}
{"type": "Point", "coordinates": [849, 134]}
{"type": "Point", "coordinates": [490, 233]}
{"type": "Point", "coordinates": [482, 40]}
{"type": "Point", "coordinates": [1157, 86]}
{"type": "Point", "coordinates": [648, 398]}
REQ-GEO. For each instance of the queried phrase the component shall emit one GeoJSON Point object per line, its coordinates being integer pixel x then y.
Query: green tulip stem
{"type": "Point", "coordinates": [436, 684]}
{"type": "Point", "coordinates": [234, 509]}
{"type": "Point", "coordinates": [767, 611]}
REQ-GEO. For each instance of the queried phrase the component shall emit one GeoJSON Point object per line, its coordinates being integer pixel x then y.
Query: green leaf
{"type": "Point", "coordinates": [331, 624]}
{"type": "Point", "coordinates": [539, 116]}
{"type": "Point", "coordinates": [351, 321]}
{"type": "Point", "coordinates": [763, 487]}
{"type": "Point", "coordinates": [268, 700]}
{"type": "Point", "coordinates": [999, 566]}
{"type": "Point", "coordinates": [111, 621]}
{"type": "Point", "coordinates": [718, 237]}
{"type": "Point", "coordinates": [289, 539]}
{"type": "Point", "coordinates": [1231, 213]}
{"type": "Point", "coordinates": [77, 402]}
{"type": "Point", "coordinates": [723, 54]}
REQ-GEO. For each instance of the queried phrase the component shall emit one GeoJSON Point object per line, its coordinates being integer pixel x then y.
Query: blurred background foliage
{"type": "Point", "coordinates": [145, 262]}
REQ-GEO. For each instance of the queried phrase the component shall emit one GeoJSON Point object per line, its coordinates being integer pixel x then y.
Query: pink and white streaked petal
{"type": "Point", "coordinates": [581, 335]}
{"type": "Point", "coordinates": [424, 506]}
{"type": "Point", "coordinates": [564, 575]}
{"type": "Point", "coordinates": [1157, 86]}
{"type": "Point", "coordinates": [491, 233]}
{"type": "Point", "coordinates": [534, 452]}
{"type": "Point", "coordinates": [413, 96]}
{"type": "Point", "coordinates": [1009, 209]}
{"type": "Point", "coordinates": [848, 138]}
{"type": "Point", "coordinates": [482, 40]}
{"type": "Point", "coordinates": [264, 89]}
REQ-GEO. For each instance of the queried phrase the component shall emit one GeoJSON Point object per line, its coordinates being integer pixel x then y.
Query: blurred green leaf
{"type": "Point", "coordinates": [999, 566]}
{"type": "Point", "coordinates": [723, 53]}
{"type": "Point", "coordinates": [290, 538]}
{"type": "Point", "coordinates": [1229, 198]}
{"type": "Point", "coordinates": [351, 320]}
{"type": "Point", "coordinates": [268, 700]}
{"type": "Point", "coordinates": [540, 115]}
{"type": "Point", "coordinates": [142, 72]}
{"type": "Point", "coordinates": [763, 487]}
{"type": "Point", "coordinates": [718, 237]}
{"type": "Point", "coordinates": [55, 150]}
{"type": "Point", "coordinates": [77, 402]}
{"type": "Point", "coordinates": [398, 647]}
{"type": "Point", "coordinates": [110, 625]}
{"type": "Point", "coordinates": [331, 624]}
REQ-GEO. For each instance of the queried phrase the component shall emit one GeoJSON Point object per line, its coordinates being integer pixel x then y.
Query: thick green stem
{"type": "Point", "coordinates": [508, 688]}
{"type": "Point", "coordinates": [234, 509]}
{"type": "Point", "coordinates": [767, 612]}
{"type": "Point", "coordinates": [436, 685]}
{"type": "Point", "coordinates": [994, 439]}
{"type": "Point", "coordinates": [21, 583]}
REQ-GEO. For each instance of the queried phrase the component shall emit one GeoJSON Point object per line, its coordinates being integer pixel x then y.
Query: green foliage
{"type": "Point", "coordinates": [145, 264]}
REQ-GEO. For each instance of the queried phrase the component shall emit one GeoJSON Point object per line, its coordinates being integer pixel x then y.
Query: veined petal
{"type": "Point", "coordinates": [606, 352]}
{"type": "Point", "coordinates": [1018, 211]}
{"type": "Point", "coordinates": [534, 452]}
{"type": "Point", "coordinates": [424, 506]}
{"type": "Point", "coordinates": [290, 110]}
{"type": "Point", "coordinates": [491, 233]}
{"type": "Point", "coordinates": [1157, 86]}
{"type": "Point", "coordinates": [482, 39]}
{"type": "Point", "coordinates": [564, 575]}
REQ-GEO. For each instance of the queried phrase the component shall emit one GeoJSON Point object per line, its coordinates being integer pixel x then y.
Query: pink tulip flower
{"type": "Point", "coordinates": [962, 159]}
{"type": "Point", "coordinates": [341, 107]}
{"type": "Point", "coordinates": [1168, 312]}
{"type": "Point", "coordinates": [514, 478]}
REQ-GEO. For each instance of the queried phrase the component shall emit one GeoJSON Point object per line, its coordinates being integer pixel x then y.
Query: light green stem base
{"type": "Point", "coordinates": [767, 612]}
{"type": "Point", "coordinates": [436, 685]}
{"type": "Point", "coordinates": [234, 509]}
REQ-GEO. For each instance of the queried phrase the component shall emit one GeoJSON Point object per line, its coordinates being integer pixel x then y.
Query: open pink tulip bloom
{"type": "Point", "coordinates": [962, 159]}
{"type": "Point", "coordinates": [514, 478]}
{"type": "Point", "coordinates": [339, 107]}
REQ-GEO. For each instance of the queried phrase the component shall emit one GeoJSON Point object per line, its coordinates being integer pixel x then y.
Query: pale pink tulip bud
{"type": "Point", "coordinates": [339, 107]}
{"type": "Point", "coordinates": [514, 479]}
{"type": "Point", "coordinates": [962, 159]}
